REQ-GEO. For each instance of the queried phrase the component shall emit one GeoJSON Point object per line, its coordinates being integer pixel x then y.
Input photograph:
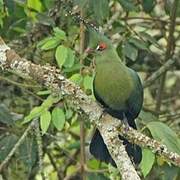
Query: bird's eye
{"type": "Point", "coordinates": [101, 47]}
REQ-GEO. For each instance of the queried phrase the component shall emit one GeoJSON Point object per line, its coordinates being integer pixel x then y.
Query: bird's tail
{"type": "Point", "coordinates": [99, 150]}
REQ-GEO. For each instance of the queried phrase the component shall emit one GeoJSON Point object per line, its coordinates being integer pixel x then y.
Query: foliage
{"type": "Point", "coordinates": [43, 32]}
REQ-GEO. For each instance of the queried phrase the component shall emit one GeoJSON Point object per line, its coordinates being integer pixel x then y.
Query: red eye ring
{"type": "Point", "coordinates": [101, 46]}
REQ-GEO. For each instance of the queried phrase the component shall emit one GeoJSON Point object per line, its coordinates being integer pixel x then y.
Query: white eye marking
{"type": "Point", "coordinates": [101, 47]}
{"type": "Point", "coordinates": [98, 47]}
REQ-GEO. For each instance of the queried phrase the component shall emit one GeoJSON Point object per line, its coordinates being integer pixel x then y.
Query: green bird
{"type": "Point", "coordinates": [119, 89]}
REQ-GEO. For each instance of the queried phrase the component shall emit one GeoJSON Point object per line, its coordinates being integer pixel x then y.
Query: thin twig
{"type": "Point", "coordinates": [16, 146]}
{"type": "Point", "coordinates": [111, 21]}
{"type": "Point", "coordinates": [148, 19]}
{"type": "Point", "coordinates": [159, 72]}
{"type": "Point", "coordinates": [18, 84]}
{"type": "Point", "coordinates": [59, 174]}
{"type": "Point", "coordinates": [82, 125]}
{"type": "Point", "coordinates": [40, 150]}
{"type": "Point", "coordinates": [78, 17]}
{"type": "Point", "coordinates": [169, 52]}
{"type": "Point", "coordinates": [23, 86]}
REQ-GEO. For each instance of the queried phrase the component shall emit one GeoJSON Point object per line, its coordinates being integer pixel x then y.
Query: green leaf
{"type": "Point", "coordinates": [45, 120]}
{"type": "Point", "coordinates": [49, 4]}
{"type": "Point", "coordinates": [7, 143]}
{"type": "Point", "coordinates": [60, 34]}
{"type": "Point", "coordinates": [128, 5]}
{"type": "Point", "coordinates": [167, 172]}
{"type": "Point", "coordinates": [71, 169]}
{"type": "Point", "coordinates": [50, 101]}
{"type": "Point", "coordinates": [130, 51]}
{"type": "Point", "coordinates": [88, 82]}
{"type": "Point", "coordinates": [58, 118]}
{"type": "Point", "coordinates": [45, 92]}
{"type": "Point", "coordinates": [147, 117]}
{"type": "Point", "coordinates": [147, 162]}
{"type": "Point", "coordinates": [69, 62]}
{"type": "Point", "coordinates": [28, 152]}
{"type": "Point", "coordinates": [164, 134]}
{"type": "Point", "coordinates": [75, 67]}
{"type": "Point", "coordinates": [50, 43]}
{"type": "Point", "coordinates": [148, 5]}
{"type": "Point", "coordinates": [100, 9]}
{"type": "Point", "coordinates": [76, 78]}
{"type": "Point", "coordinates": [61, 55]}
{"type": "Point", "coordinates": [35, 4]}
{"type": "Point", "coordinates": [45, 19]}
{"type": "Point", "coordinates": [138, 43]}
{"type": "Point", "coordinates": [69, 113]}
{"type": "Point", "coordinates": [5, 115]}
{"type": "Point", "coordinates": [43, 41]}
{"type": "Point", "coordinates": [18, 30]}
{"type": "Point", "coordinates": [35, 112]}
{"type": "Point", "coordinates": [1, 22]}
{"type": "Point", "coordinates": [1, 4]}
{"type": "Point", "coordinates": [74, 145]}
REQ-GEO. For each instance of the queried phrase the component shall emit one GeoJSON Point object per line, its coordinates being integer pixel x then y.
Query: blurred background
{"type": "Point", "coordinates": [43, 32]}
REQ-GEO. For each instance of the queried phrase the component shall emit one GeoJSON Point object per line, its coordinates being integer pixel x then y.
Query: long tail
{"type": "Point", "coordinates": [100, 151]}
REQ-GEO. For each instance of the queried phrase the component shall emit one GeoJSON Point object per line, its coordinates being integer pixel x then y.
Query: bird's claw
{"type": "Point", "coordinates": [125, 122]}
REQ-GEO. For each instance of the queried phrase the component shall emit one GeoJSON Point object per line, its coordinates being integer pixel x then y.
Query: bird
{"type": "Point", "coordinates": [119, 90]}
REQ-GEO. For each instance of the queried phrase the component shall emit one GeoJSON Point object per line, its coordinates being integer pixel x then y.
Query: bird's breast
{"type": "Point", "coordinates": [113, 84]}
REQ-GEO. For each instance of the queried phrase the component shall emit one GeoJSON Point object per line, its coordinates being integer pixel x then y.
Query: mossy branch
{"type": "Point", "coordinates": [109, 127]}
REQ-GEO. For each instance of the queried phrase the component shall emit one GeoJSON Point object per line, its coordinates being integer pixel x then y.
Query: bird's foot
{"type": "Point", "coordinates": [103, 113]}
{"type": "Point", "coordinates": [125, 122]}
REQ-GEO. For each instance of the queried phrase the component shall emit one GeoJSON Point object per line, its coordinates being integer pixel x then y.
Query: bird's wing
{"type": "Point", "coordinates": [135, 100]}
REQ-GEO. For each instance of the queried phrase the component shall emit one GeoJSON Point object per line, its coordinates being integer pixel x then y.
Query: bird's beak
{"type": "Point", "coordinates": [89, 50]}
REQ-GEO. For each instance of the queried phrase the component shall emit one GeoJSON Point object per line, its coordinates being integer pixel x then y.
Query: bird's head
{"type": "Point", "coordinates": [98, 44]}
{"type": "Point", "coordinates": [101, 48]}
{"type": "Point", "coordinates": [98, 49]}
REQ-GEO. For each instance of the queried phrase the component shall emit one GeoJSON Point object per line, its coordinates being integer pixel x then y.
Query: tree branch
{"type": "Point", "coordinates": [136, 137]}
{"type": "Point", "coordinates": [40, 150]}
{"type": "Point", "coordinates": [108, 128]}
{"type": "Point", "coordinates": [169, 52]}
{"type": "Point", "coordinates": [16, 146]}
{"type": "Point", "coordinates": [50, 77]}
